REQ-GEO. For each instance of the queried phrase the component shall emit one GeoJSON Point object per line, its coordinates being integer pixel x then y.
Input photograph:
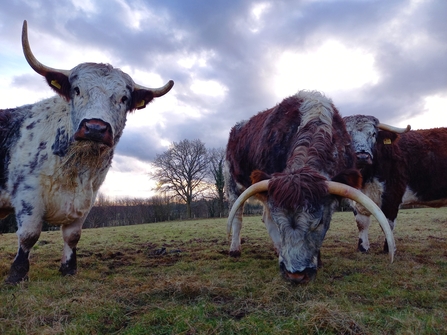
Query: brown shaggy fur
{"type": "Point", "coordinates": [301, 188]}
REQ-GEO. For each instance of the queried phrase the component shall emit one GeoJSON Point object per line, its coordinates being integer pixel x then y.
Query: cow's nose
{"type": "Point", "coordinates": [298, 277]}
{"type": "Point", "coordinates": [364, 158]}
{"type": "Point", "coordinates": [94, 130]}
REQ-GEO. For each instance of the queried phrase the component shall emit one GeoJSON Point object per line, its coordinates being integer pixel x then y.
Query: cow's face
{"type": "Point", "coordinates": [301, 207]}
{"type": "Point", "coordinates": [363, 131]}
{"type": "Point", "coordinates": [99, 99]}
{"type": "Point", "coordinates": [302, 232]}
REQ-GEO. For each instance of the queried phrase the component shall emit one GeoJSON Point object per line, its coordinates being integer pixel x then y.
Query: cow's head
{"type": "Point", "coordinates": [364, 131]}
{"type": "Point", "coordinates": [301, 205]}
{"type": "Point", "coordinates": [98, 95]}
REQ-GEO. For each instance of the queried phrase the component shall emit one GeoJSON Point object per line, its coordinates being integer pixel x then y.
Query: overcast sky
{"type": "Point", "coordinates": [230, 59]}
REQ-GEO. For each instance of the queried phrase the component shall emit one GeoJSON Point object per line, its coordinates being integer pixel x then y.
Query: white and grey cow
{"type": "Point", "coordinates": [385, 158]}
{"type": "Point", "coordinates": [55, 153]}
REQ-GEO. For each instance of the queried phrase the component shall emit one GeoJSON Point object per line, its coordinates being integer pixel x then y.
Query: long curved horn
{"type": "Point", "coordinates": [158, 92]}
{"type": "Point", "coordinates": [354, 194]}
{"type": "Point", "coordinates": [333, 188]}
{"type": "Point", "coordinates": [396, 130]}
{"type": "Point", "coordinates": [32, 61]}
{"type": "Point", "coordinates": [258, 187]}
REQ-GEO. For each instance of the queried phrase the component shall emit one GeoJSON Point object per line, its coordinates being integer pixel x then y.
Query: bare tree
{"type": "Point", "coordinates": [102, 200]}
{"type": "Point", "coordinates": [181, 171]}
{"type": "Point", "coordinates": [216, 165]}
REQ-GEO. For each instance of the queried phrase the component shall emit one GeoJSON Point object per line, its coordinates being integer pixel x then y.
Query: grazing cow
{"type": "Point", "coordinates": [398, 167]}
{"type": "Point", "coordinates": [298, 160]}
{"type": "Point", "coordinates": [56, 153]}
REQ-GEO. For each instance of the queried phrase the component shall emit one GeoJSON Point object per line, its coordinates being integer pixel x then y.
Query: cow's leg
{"type": "Point", "coordinates": [236, 226]}
{"type": "Point", "coordinates": [29, 226]}
{"type": "Point", "coordinates": [385, 245]}
{"type": "Point", "coordinates": [71, 234]}
{"type": "Point", "coordinates": [390, 208]}
{"type": "Point", "coordinates": [272, 230]}
{"type": "Point", "coordinates": [20, 266]}
{"type": "Point", "coordinates": [363, 222]}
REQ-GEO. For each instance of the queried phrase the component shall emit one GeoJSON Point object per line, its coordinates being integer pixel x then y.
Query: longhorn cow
{"type": "Point", "coordinates": [55, 153]}
{"type": "Point", "coordinates": [297, 159]}
{"type": "Point", "coordinates": [399, 167]}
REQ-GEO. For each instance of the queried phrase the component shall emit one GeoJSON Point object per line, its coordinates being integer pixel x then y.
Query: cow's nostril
{"type": "Point", "coordinates": [95, 130]}
{"type": "Point", "coordinates": [363, 157]}
{"type": "Point", "coordinates": [95, 127]}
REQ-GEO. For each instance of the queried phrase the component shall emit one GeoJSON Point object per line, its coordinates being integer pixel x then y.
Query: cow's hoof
{"type": "Point", "coordinates": [15, 280]}
{"type": "Point", "coordinates": [235, 253]}
{"type": "Point", "coordinates": [67, 270]}
{"type": "Point", "coordinates": [360, 247]}
{"type": "Point", "coordinates": [18, 272]}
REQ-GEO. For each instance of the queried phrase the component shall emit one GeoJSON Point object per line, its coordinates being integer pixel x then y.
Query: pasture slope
{"type": "Point", "coordinates": [177, 278]}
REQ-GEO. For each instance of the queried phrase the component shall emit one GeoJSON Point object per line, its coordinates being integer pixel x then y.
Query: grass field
{"type": "Point", "coordinates": [177, 278]}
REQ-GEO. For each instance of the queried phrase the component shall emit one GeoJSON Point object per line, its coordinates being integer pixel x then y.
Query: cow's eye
{"type": "Point", "coordinates": [124, 99]}
{"type": "Point", "coordinates": [77, 91]}
{"type": "Point", "coordinates": [314, 224]}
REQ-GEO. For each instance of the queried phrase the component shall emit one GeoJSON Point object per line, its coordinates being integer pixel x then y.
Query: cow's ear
{"type": "Point", "coordinates": [257, 176]}
{"type": "Point", "coordinates": [59, 83]}
{"type": "Point", "coordinates": [140, 98]}
{"type": "Point", "coordinates": [386, 137]}
{"type": "Point", "coordinates": [351, 177]}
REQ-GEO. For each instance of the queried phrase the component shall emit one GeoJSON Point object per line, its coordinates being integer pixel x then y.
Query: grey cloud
{"type": "Point", "coordinates": [244, 61]}
{"type": "Point", "coordinates": [141, 144]}
{"type": "Point", "coordinates": [30, 82]}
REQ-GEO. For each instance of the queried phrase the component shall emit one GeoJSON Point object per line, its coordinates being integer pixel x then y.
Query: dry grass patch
{"type": "Point", "coordinates": [177, 278]}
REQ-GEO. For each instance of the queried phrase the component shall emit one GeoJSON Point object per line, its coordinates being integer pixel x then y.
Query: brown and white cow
{"type": "Point", "coordinates": [298, 160]}
{"type": "Point", "coordinates": [55, 154]}
{"type": "Point", "coordinates": [398, 167]}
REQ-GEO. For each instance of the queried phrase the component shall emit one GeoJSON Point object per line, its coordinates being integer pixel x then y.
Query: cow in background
{"type": "Point", "coordinates": [298, 161]}
{"type": "Point", "coordinates": [55, 154]}
{"type": "Point", "coordinates": [398, 166]}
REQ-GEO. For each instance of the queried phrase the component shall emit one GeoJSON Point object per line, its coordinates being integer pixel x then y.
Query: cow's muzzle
{"type": "Point", "coordinates": [94, 130]}
{"type": "Point", "coordinates": [364, 158]}
{"type": "Point", "coordinates": [299, 277]}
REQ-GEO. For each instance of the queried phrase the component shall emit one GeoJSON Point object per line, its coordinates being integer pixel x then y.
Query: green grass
{"type": "Point", "coordinates": [124, 286]}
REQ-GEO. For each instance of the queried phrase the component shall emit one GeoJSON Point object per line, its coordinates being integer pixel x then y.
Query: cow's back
{"type": "Point", "coordinates": [425, 152]}
{"type": "Point", "coordinates": [263, 141]}
{"type": "Point", "coordinates": [269, 140]}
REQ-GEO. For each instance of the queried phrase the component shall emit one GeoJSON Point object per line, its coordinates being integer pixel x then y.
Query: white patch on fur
{"type": "Point", "coordinates": [314, 107]}
{"type": "Point", "coordinates": [363, 223]}
{"type": "Point", "coordinates": [5, 200]}
{"type": "Point", "coordinates": [409, 197]}
{"type": "Point", "coordinates": [272, 229]}
{"type": "Point", "coordinates": [374, 191]}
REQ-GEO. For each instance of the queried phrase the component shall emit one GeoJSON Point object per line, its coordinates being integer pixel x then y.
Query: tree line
{"type": "Point", "coordinates": [190, 184]}
{"type": "Point", "coordinates": [130, 211]}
